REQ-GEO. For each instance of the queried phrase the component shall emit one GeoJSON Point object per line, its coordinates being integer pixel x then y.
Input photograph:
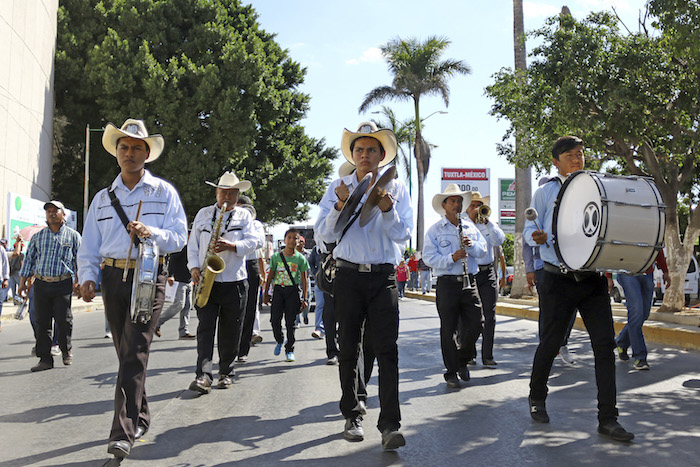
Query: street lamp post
{"type": "Point", "coordinates": [87, 170]}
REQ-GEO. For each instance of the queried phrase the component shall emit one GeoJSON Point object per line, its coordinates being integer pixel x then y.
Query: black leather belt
{"type": "Point", "coordinates": [485, 267]}
{"type": "Point", "coordinates": [384, 268]}
{"type": "Point", "coordinates": [456, 278]}
{"type": "Point", "coordinates": [577, 276]}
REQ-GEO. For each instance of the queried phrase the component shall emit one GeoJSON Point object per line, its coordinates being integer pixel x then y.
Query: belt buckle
{"type": "Point", "coordinates": [364, 268]}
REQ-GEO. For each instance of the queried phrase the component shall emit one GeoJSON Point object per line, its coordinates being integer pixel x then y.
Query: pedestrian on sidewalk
{"type": "Point", "coordinates": [413, 266]}
{"type": "Point", "coordinates": [4, 275]}
{"type": "Point", "coordinates": [51, 259]}
{"type": "Point", "coordinates": [639, 295]}
{"type": "Point", "coordinates": [425, 276]}
{"type": "Point", "coordinates": [110, 227]}
{"type": "Point", "coordinates": [561, 293]}
{"type": "Point", "coordinates": [314, 265]}
{"type": "Point", "coordinates": [301, 248]}
{"type": "Point", "coordinates": [402, 273]}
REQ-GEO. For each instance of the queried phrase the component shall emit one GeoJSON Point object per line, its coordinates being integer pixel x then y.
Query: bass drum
{"type": "Point", "coordinates": [608, 223]}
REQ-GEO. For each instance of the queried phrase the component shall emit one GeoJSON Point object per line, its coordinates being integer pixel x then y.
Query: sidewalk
{"type": "Point", "coordinates": [680, 329]}
{"type": "Point", "coordinates": [77, 305]}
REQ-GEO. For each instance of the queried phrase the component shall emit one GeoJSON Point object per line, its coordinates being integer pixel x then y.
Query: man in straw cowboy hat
{"type": "Point", "coordinates": [365, 282]}
{"type": "Point", "coordinates": [226, 304]}
{"type": "Point", "coordinates": [108, 232]}
{"type": "Point", "coordinates": [486, 277]}
{"type": "Point", "coordinates": [449, 243]}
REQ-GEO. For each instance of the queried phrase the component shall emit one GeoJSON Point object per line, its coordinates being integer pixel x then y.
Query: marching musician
{"type": "Point", "coordinates": [365, 281]}
{"type": "Point", "coordinates": [486, 278]}
{"type": "Point", "coordinates": [561, 292]}
{"type": "Point", "coordinates": [450, 242]}
{"type": "Point", "coordinates": [107, 235]}
{"type": "Point", "coordinates": [227, 299]}
{"type": "Point", "coordinates": [255, 269]}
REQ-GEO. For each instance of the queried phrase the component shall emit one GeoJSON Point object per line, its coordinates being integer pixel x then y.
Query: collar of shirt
{"type": "Point", "coordinates": [146, 179]}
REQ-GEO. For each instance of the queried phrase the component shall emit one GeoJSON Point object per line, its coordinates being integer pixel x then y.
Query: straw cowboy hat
{"type": "Point", "coordinates": [132, 128]}
{"type": "Point", "coordinates": [476, 196]}
{"type": "Point", "coordinates": [369, 129]}
{"type": "Point", "coordinates": [229, 181]}
{"type": "Point", "coordinates": [346, 169]}
{"type": "Point", "coordinates": [451, 190]}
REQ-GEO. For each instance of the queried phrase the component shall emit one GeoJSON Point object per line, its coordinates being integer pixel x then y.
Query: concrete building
{"type": "Point", "coordinates": [27, 46]}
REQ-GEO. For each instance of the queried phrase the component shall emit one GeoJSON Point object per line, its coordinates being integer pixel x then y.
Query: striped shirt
{"type": "Point", "coordinates": [52, 254]}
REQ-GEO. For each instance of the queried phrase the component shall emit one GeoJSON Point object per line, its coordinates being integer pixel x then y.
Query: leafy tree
{"type": "Point", "coordinates": [633, 98]}
{"type": "Point", "coordinates": [203, 74]}
{"type": "Point", "coordinates": [404, 132]}
{"type": "Point", "coordinates": [418, 71]}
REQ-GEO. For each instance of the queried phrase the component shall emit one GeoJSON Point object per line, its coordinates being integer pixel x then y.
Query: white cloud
{"type": "Point", "coordinates": [373, 54]}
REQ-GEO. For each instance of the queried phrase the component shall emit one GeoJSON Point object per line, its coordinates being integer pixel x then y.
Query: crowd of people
{"type": "Point", "coordinates": [218, 269]}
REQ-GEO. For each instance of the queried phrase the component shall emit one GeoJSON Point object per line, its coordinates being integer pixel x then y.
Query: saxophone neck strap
{"type": "Point", "coordinates": [114, 201]}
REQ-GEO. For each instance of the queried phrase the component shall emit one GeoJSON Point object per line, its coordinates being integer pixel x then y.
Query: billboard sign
{"type": "Point", "coordinates": [467, 180]}
{"type": "Point", "coordinates": [506, 204]}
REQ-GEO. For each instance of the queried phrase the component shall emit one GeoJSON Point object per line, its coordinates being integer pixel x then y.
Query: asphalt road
{"type": "Point", "coordinates": [288, 412]}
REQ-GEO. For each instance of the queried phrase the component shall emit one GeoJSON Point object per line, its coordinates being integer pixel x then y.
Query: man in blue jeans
{"type": "Point", "coordinates": [639, 295]}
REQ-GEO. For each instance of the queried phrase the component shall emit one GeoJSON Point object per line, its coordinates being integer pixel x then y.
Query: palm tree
{"type": "Point", "coordinates": [523, 176]}
{"type": "Point", "coordinates": [404, 131]}
{"type": "Point", "coordinates": [418, 71]}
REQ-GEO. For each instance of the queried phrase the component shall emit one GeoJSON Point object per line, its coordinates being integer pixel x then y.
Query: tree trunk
{"type": "Point", "coordinates": [420, 169]}
{"type": "Point", "coordinates": [523, 176]}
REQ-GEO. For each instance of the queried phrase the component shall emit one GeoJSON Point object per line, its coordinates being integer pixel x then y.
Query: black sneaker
{"type": "Point", "coordinates": [225, 382]}
{"type": "Point", "coordinates": [464, 373]}
{"type": "Point", "coordinates": [624, 356]}
{"type": "Point", "coordinates": [615, 431]}
{"type": "Point", "coordinates": [452, 381]}
{"type": "Point", "coordinates": [538, 411]}
{"type": "Point", "coordinates": [353, 429]}
{"type": "Point", "coordinates": [641, 365]}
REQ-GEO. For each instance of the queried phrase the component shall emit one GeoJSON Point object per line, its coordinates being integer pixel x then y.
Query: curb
{"type": "Point", "coordinates": [676, 329]}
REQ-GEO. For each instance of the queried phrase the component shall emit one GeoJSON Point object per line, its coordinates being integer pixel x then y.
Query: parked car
{"type": "Point", "coordinates": [618, 293]}
{"type": "Point", "coordinates": [690, 288]}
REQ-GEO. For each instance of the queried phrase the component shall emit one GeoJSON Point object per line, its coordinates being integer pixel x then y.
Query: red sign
{"type": "Point", "coordinates": [506, 213]}
{"type": "Point", "coordinates": [464, 174]}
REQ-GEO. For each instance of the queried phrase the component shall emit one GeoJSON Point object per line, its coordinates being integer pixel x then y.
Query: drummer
{"type": "Point", "coordinates": [561, 293]}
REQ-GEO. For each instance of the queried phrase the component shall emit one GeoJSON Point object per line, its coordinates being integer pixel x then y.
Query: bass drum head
{"type": "Point", "coordinates": [577, 220]}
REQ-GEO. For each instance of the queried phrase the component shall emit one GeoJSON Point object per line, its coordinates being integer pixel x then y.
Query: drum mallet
{"type": "Point", "coordinates": [531, 215]}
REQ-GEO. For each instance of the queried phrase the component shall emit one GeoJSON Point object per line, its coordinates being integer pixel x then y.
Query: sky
{"type": "Point", "coordinates": [338, 44]}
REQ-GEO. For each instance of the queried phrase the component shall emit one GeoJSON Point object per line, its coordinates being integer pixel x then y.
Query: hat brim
{"type": "Point", "coordinates": [440, 197]}
{"type": "Point", "coordinates": [111, 135]}
{"type": "Point", "coordinates": [242, 185]}
{"type": "Point", "coordinates": [385, 136]}
{"type": "Point", "coordinates": [51, 203]}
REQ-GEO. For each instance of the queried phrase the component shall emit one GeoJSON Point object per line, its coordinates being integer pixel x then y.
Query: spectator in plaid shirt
{"type": "Point", "coordinates": [51, 259]}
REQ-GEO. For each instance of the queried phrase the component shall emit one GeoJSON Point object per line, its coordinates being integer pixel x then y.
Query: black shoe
{"type": "Point", "coordinates": [187, 337]}
{"type": "Point", "coordinates": [489, 362]}
{"type": "Point", "coordinates": [472, 361]}
{"type": "Point", "coordinates": [392, 439]}
{"type": "Point", "coordinates": [119, 448]}
{"type": "Point", "coordinates": [464, 373]}
{"type": "Point", "coordinates": [306, 320]}
{"type": "Point", "coordinates": [538, 411]}
{"type": "Point", "coordinates": [615, 431]}
{"type": "Point", "coordinates": [452, 381]}
{"type": "Point", "coordinates": [41, 366]}
{"type": "Point", "coordinates": [201, 385]}
{"type": "Point", "coordinates": [68, 358]}
{"type": "Point", "coordinates": [140, 431]}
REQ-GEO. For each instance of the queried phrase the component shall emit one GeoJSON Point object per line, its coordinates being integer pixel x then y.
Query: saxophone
{"type": "Point", "coordinates": [213, 264]}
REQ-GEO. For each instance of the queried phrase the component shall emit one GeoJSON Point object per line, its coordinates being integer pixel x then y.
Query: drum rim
{"type": "Point", "coordinates": [555, 216]}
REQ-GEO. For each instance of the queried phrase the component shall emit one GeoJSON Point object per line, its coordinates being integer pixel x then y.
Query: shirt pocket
{"type": "Point", "coordinates": [445, 243]}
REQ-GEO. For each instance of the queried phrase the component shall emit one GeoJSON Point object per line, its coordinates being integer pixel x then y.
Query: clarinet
{"type": "Point", "coordinates": [466, 284]}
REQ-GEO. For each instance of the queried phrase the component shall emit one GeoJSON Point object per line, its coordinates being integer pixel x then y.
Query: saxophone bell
{"type": "Point", "coordinates": [213, 263]}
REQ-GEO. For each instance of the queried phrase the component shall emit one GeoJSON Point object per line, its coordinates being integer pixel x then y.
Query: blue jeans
{"type": "Point", "coordinates": [402, 288]}
{"type": "Point", "coordinates": [320, 301]}
{"type": "Point", "coordinates": [413, 281]}
{"type": "Point", "coordinates": [425, 284]}
{"type": "Point", "coordinates": [639, 292]}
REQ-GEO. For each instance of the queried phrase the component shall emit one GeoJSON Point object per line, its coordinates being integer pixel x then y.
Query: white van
{"type": "Point", "coordinates": [690, 288]}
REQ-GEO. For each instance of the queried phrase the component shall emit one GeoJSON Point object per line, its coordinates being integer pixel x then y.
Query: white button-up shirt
{"type": "Point", "coordinates": [104, 235]}
{"type": "Point", "coordinates": [382, 240]}
{"type": "Point", "coordinates": [236, 227]}
{"type": "Point", "coordinates": [494, 236]}
{"type": "Point", "coordinates": [260, 235]}
{"type": "Point", "coordinates": [442, 240]}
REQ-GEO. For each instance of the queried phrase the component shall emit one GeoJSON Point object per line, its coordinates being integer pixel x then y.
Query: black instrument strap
{"type": "Point", "coordinates": [122, 215]}
{"type": "Point", "coordinates": [286, 266]}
